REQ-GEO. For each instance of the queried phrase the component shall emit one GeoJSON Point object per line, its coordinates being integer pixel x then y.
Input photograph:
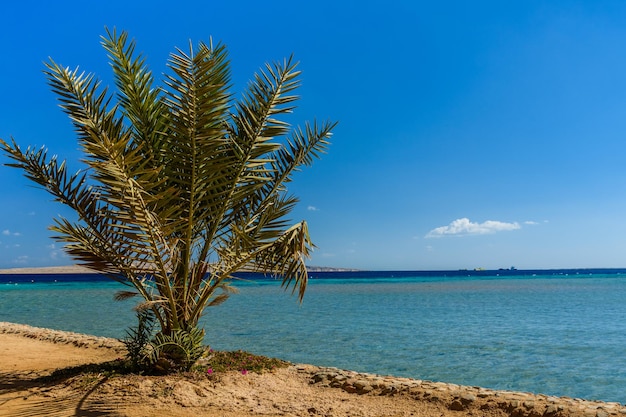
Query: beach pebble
{"type": "Point", "coordinates": [456, 405]}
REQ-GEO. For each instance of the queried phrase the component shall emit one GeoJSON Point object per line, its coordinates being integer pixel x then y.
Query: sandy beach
{"type": "Point", "coordinates": [29, 354]}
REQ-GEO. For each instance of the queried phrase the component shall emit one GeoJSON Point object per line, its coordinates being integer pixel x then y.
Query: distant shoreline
{"type": "Point", "coordinates": [69, 269]}
{"type": "Point", "coordinates": [77, 269]}
{"type": "Point", "coordinates": [81, 270]}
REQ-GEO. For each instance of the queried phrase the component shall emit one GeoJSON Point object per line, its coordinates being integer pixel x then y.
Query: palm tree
{"type": "Point", "coordinates": [184, 185]}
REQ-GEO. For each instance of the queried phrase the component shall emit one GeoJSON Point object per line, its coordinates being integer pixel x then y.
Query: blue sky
{"type": "Point", "coordinates": [472, 134]}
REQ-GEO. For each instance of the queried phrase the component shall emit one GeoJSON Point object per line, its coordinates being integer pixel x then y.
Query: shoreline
{"type": "Point", "coordinates": [69, 269]}
{"type": "Point", "coordinates": [60, 336]}
{"type": "Point", "coordinates": [329, 383]}
{"type": "Point", "coordinates": [78, 269]}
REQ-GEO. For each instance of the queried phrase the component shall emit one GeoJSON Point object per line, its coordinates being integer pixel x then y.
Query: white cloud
{"type": "Point", "coordinates": [7, 232]}
{"type": "Point", "coordinates": [312, 208]}
{"type": "Point", "coordinates": [531, 223]}
{"type": "Point", "coordinates": [464, 227]}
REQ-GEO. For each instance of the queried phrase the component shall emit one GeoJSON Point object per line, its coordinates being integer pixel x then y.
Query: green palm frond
{"type": "Point", "coordinates": [139, 100]}
{"type": "Point", "coordinates": [184, 347]}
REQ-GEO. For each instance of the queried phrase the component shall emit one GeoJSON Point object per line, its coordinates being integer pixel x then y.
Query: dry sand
{"type": "Point", "coordinates": [28, 355]}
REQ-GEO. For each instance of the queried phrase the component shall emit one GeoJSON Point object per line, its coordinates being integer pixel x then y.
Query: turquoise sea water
{"type": "Point", "coordinates": [543, 333]}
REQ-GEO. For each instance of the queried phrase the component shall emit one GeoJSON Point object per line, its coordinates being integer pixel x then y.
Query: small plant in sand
{"type": "Point", "coordinates": [184, 186]}
{"type": "Point", "coordinates": [138, 339]}
{"type": "Point", "coordinates": [240, 361]}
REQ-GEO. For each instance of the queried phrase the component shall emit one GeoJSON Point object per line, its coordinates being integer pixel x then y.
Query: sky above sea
{"type": "Point", "coordinates": [471, 134]}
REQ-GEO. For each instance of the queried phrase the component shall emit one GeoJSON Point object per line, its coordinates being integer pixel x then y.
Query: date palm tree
{"type": "Point", "coordinates": [184, 185]}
